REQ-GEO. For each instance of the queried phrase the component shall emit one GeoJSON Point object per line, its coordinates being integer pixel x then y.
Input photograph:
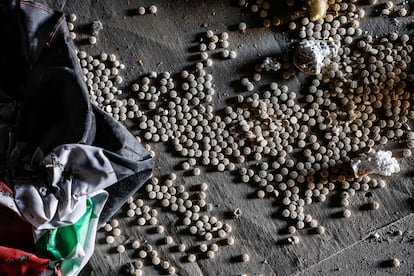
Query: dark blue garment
{"type": "Point", "coordinates": [44, 103]}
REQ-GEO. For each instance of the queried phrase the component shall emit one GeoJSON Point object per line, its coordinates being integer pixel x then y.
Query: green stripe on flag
{"type": "Point", "coordinates": [58, 243]}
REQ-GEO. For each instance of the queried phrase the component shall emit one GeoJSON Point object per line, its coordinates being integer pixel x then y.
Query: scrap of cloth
{"type": "Point", "coordinates": [68, 166]}
{"type": "Point", "coordinates": [17, 242]}
{"type": "Point", "coordinates": [17, 262]}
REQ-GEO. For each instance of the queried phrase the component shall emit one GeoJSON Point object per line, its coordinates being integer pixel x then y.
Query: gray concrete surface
{"type": "Point", "coordinates": [165, 42]}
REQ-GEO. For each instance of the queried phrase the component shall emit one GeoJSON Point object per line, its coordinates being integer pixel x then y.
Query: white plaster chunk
{"type": "Point", "coordinates": [380, 162]}
{"type": "Point", "coordinates": [310, 54]}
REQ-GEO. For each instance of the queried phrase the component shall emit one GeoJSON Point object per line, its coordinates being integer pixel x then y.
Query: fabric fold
{"type": "Point", "coordinates": [72, 245]}
{"type": "Point", "coordinates": [74, 172]}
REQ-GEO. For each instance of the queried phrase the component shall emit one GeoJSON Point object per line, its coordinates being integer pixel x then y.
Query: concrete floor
{"type": "Point", "coordinates": [165, 42]}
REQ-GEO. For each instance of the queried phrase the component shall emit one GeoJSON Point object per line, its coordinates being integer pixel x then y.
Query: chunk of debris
{"type": "Point", "coordinates": [317, 9]}
{"type": "Point", "coordinates": [380, 162]}
{"type": "Point", "coordinates": [96, 27]}
{"type": "Point", "coordinates": [270, 64]}
{"type": "Point", "coordinates": [375, 236]}
{"type": "Point", "coordinates": [237, 213]}
{"type": "Point", "coordinates": [310, 54]}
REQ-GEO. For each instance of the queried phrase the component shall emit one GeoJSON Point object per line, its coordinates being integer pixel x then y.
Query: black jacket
{"type": "Point", "coordinates": [44, 103]}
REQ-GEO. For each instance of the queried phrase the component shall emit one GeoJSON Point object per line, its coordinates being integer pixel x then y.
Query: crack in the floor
{"type": "Point", "coordinates": [367, 236]}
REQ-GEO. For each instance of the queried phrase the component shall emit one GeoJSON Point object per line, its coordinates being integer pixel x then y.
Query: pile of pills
{"type": "Point", "coordinates": [102, 76]}
{"type": "Point", "coordinates": [296, 150]}
{"type": "Point", "coordinates": [192, 210]}
{"type": "Point", "coordinates": [292, 145]}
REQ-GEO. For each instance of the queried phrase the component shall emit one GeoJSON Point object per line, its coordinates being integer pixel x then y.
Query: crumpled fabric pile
{"type": "Point", "coordinates": [66, 166]}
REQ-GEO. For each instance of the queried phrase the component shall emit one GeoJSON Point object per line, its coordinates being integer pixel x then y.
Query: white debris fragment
{"type": "Point", "coordinates": [270, 63]}
{"type": "Point", "coordinates": [310, 54]}
{"type": "Point", "coordinates": [96, 27]}
{"type": "Point", "coordinates": [237, 213]}
{"type": "Point", "coordinates": [380, 162]}
{"type": "Point", "coordinates": [375, 236]}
